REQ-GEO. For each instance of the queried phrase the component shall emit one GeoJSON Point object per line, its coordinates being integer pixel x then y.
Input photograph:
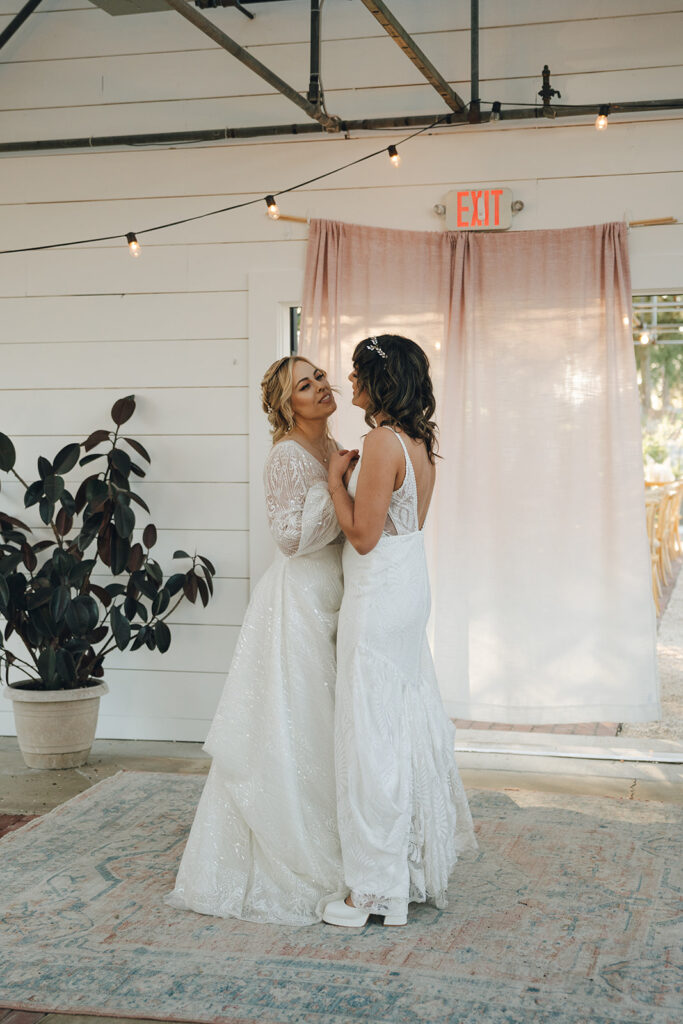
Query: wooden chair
{"type": "Point", "coordinates": [652, 503]}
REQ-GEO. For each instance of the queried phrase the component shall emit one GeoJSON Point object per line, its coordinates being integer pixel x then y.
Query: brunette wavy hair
{"type": "Point", "coordinates": [398, 384]}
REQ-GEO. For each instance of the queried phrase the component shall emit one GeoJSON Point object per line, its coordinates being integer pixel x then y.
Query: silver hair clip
{"type": "Point", "coordinates": [372, 346]}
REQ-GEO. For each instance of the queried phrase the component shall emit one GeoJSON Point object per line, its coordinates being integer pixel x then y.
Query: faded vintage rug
{"type": "Point", "coordinates": [571, 912]}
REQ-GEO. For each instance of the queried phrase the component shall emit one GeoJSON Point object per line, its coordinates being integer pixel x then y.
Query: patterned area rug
{"type": "Point", "coordinates": [570, 913]}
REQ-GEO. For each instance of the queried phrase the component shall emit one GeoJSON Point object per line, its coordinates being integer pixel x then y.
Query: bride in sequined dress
{"type": "Point", "coordinates": [264, 844]}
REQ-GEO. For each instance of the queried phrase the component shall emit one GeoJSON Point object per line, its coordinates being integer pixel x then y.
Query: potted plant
{"type": "Point", "coordinates": [56, 625]}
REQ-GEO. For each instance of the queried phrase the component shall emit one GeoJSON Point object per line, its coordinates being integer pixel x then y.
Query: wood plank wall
{"type": "Point", "coordinates": [81, 326]}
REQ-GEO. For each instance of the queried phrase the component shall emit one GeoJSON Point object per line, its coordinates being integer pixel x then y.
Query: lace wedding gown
{"type": "Point", "coordinates": [403, 814]}
{"type": "Point", "coordinates": [264, 844]}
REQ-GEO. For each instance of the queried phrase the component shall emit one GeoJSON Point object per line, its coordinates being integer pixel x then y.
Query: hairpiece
{"type": "Point", "coordinates": [372, 346]}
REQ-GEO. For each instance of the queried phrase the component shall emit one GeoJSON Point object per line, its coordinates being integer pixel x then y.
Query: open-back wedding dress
{"type": "Point", "coordinates": [403, 813]}
{"type": "Point", "coordinates": [264, 844]}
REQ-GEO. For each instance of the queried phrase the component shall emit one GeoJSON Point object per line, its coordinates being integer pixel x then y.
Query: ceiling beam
{"type": "Point", "coordinates": [17, 21]}
{"type": "Point", "coordinates": [218, 36]}
{"type": "Point", "coordinates": [393, 27]}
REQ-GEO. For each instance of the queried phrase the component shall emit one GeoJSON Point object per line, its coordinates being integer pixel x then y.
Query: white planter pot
{"type": "Point", "coordinates": [55, 728]}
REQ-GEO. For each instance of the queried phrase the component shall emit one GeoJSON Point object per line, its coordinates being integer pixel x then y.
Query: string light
{"type": "Point", "coordinates": [626, 321]}
{"type": "Point", "coordinates": [393, 155]}
{"type": "Point", "coordinates": [601, 119]}
{"type": "Point", "coordinates": [133, 244]}
{"type": "Point", "coordinates": [644, 338]}
{"type": "Point", "coordinates": [227, 209]}
{"type": "Point", "coordinates": [273, 208]}
{"type": "Point", "coordinates": [495, 111]}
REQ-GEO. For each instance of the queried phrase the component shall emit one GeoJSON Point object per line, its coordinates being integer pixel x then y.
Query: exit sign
{"type": "Point", "coordinates": [476, 208]}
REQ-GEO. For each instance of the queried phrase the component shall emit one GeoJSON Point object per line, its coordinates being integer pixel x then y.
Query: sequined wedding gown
{"type": "Point", "coordinates": [403, 813]}
{"type": "Point", "coordinates": [264, 844]}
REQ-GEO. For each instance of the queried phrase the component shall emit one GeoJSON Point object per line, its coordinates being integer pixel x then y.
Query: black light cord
{"type": "Point", "coordinates": [227, 209]}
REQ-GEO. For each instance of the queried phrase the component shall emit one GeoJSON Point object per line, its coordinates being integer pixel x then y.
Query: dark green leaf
{"type": "Point", "coordinates": [163, 636]}
{"type": "Point", "coordinates": [67, 458]}
{"type": "Point", "coordinates": [46, 509]}
{"type": "Point", "coordinates": [8, 454]}
{"type": "Point", "coordinates": [141, 610]}
{"type": "Point", "coordinates": [43, 545]}
{"type": "Point", "coordinates": [181, 554]}
{"type": "Point", "coordinates": [139, 639]}
{"type": "Point", "coordinates": [154, 570]}
{"type": "Point", "coordinates": [120, 549]}
{"type": "Point", "coordinates": [115, 589]}
{"type": "Point", "coordinates": [4, 518]}
{"type": "Point", "coordinates": [120, 627]}
{"type": "Point", "coordinates": [136, 498]}
{"type": "Point", "coordinates": [47, 665]}
{"type": "Point", "coordinates": [120, 460]}
{"type": "Point", "coordinates": [203, 590]}
{"type": "Point", "coordinates": [207, 563]}
{"type": "Point", "coordinates": [190, 587]}
{"type": "Point", "coordinates": [44, 467]}
{"type": "Point", "coordinates": [149, 535]}
{"type": "Point", "coordinates": [175, 583]}
{"type": "Point", "coordinates": [66, 666]}
{"type": "Point", "coordinates": [145, 585]}
{"type": "Point", "coordinates": [63, 522]}
{"type": "Point", "coordinates": [136, 557]}
{"type": "Point", "coordinates": [82, 614]}
{"type": "Point", "coordinates": [138, 470]}
{"type": "Point", "coordinates": [59, 602]}
{"type": "Point", "coordinates": [136, 446]}
{"type": "Point", "coordinates": [29, 559]}
{"type": "Point", "coordinates": [95, 438]}
{"type": "Point", "coordinates": [124, 520]}
{"type": "Point", "coordinates": [53, 486]}
{"type": "Point", "coordinates": [33, 494]}
{"type": "Point", "coordinates": [130, 607]}
{"type": "Point", "coordinates": [104, 595]}
{"type": "Point", "coordinates": [123, 409]}
{"type": "Point", "coordinates": [38, 597]}
{"type": "Point", "coordinates": [119, 480]}
{"type": "Point", "coordinates": [96, 491]}
{"type": "Point", "coordinates": [68, 502]}
{"type": "Point", "coordinates": [161, 602]}
{"type": "Point", "coordinates": [91, 458]}
{"type": "Point", "coordinates": [10, 562]}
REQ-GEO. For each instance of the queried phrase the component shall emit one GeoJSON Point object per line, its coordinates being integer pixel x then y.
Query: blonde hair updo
{"type": "Point", "coordinates": [276, 395]}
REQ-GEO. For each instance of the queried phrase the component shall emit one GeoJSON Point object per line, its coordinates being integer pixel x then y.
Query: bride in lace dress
{"type": "Point", "coordinates": [264, 844]}
{"type": "Point", "coordinates": [403, 814]}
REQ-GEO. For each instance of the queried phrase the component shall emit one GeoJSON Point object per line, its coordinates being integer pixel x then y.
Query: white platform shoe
{"type": "Point", "coordinates": [340, 913]}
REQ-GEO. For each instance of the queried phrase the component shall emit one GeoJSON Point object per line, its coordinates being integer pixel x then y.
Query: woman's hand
{"type": "Point", "coordinates": [340, 464]}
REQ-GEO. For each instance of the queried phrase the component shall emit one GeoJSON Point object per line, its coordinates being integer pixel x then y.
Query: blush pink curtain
{"type": "Point", "coordinates": [542, 608]}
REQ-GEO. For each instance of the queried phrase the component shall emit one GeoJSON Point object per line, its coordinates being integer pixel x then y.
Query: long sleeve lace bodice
{"type": "Point", "coordinates": [300, 511]}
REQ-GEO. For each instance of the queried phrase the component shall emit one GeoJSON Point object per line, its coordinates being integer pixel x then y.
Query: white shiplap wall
{"type": "Point", "coordinates": [84, 325]}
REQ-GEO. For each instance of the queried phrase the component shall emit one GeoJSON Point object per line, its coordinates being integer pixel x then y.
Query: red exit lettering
{"type": "Point", "coordinates": [479, 208]}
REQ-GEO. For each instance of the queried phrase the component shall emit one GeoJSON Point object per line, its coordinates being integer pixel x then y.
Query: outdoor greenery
{"type": "Point", "coordinates": [658, 341]}
{"type": "Point", "coordinates": [67, 623]}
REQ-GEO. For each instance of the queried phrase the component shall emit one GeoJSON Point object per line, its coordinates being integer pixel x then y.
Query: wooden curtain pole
{"type": "Point", "coordinates": [650, 223]}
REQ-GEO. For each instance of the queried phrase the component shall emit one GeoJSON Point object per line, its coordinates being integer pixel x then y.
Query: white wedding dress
{"type": "Point", "coordinates": [403, 814]}
{"type": "Point", "coordinates": [264, 844]}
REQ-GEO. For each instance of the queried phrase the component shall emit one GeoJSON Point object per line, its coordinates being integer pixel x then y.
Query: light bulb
{"type": "Point", "coordinates": [601, 119]}
{"type": "Point", "coordinates": [495, 111]}
{"type": "Point", "coordinates": [644, 338]}
{"type": "Point", "coordinates": [393, 155]}
{"type": "Point", "coordinates": [626, 321]}
{"type": "Point", "coordinates": [273, 209]}
{"type": "Point", "coordinates": [133, 244]}
{"type": "Point", "coordinates": [437, 346]}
